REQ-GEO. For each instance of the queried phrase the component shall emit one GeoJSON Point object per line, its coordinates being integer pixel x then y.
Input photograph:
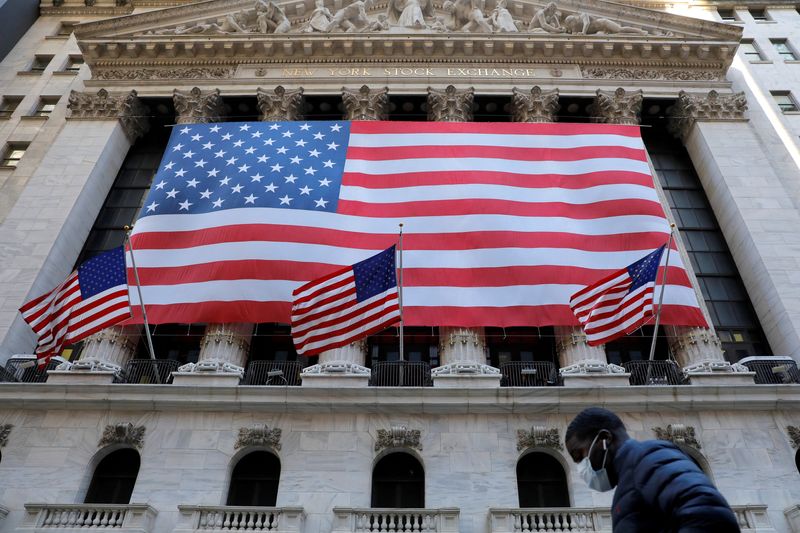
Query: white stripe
{"type": "Point", "coordinates": [317, 286]}
{"type": "Point", "coordinates": [622, 327]}
{"type": "Point", "coordinates": [514, 140]}
{"type": "Point", "coordinates": [382, 319]}
{"type": "Point", "coordinates": [481, 164]}
{"type": "Point", "coordinates": [313, 306]}
{"type": "Point", "coordinates": [306, 331]}
{"type": "Point", "coordinates": [578, 302]}
{"type": "Point", "coordinates": [109, 317]}
{"type": "Point", "coordinates": [467, 191]}
{"type": "Point", "coordinates": [634, 299]}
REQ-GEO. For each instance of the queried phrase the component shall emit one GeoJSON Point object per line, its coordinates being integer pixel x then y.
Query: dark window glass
{"type": "Point", "coordinates": [9, 105]}
{"type": "Point", "coordinates": [759, 15]}
{"type": "Point", "coordinates": [419, 344]}
{"type": "Point", "coordinates": [255, 480]}
{"type": "Point", "coordinates": [13, 154]}
{"type": "Point", "coordinates": [541, 481]}
{"type": "Point", "coordinates": [398, 481]}
{"type": "Point", "coordinates": [114, 478]}
{"type": "Point", "coordinates": [273, 342]}
{"type": "Point", "coordinates": [520, 344]}
{"type": "Point", "coordinates": [40, 63]}
{"type": "Point", "coordinates": [727, 14]}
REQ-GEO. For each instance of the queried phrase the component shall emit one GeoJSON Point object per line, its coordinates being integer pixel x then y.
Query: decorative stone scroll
{"type": "Point", "coordinates": [678, 434]}
{"type": "Point", "coordinates": [450, 105]}
{"type": "Point", "coordinates": [618, 107]}
{"type": "Point", "coordinates": [398, 437]}
{"type": "Point", "coordinates": [5, 431]}
{"type": "Point", "coordinates": [127, 108]}
{"type": "Point", "coordinates": [197, 106]}
{"type": "Point", "coordinates": [538, 106]}
{"type": "Point", "coordinates": [690, 108]}
{"type": "Point", "coordinates": [794, 435]}
{"type": "Point", "coordinates": [621, 73]}
{"type": "Point", "coordinates": [279, 104]}
{"type": "Point", "coordinates": [259, 436]}
{"type": "Point", "coordinates": [127, 434]}
{"type": "Point", "coordinates": [366, 103]}
{"type": "Point", "coordinates": [539, 437]}
{"type": "Point", "coordinates": [177, 73]}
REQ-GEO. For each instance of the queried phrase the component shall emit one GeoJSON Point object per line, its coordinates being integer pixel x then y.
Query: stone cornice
{"type": "Point", "coordinates": [713, 106]}
{"type": "Point", "coordinates": [390, 401]}
{"type": "Point", "coordinates": [125, 107]}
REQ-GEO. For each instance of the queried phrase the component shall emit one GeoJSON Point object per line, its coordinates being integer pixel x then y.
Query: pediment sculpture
{"type": "Point", "coordinates": [264, 17]}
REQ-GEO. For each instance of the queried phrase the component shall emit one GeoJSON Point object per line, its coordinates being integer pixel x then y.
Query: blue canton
{"type": "Point", "coordinates": [375, 275]}
{"type": "Point", "coordinates": [645, 269]}
{"type": "Point", "coordinates": [102, 272]}
{"type": "Point", "coordinates": [229, 165]}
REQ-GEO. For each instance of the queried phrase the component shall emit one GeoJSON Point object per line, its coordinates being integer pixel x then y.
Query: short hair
{"type": "Point", "coordinates": [590, 421]}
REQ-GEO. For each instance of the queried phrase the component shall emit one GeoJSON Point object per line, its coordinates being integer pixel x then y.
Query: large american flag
{"type": "Point", "coordinates": [620, 303]}
{"type": "Point", "coordinates": [346, 305]}
{"type": "Point", "coordinates": [92, 298]}
{"type": "Point", "coordinates": [503, 222]}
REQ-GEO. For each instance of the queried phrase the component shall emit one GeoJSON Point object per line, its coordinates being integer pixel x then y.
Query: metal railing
{"type": "Point", "coordinates": [122, 518]}
{"type": "Point", "coordinates": [655, 373]}
{"type": "Point", "coordinates": [348, 520]}
{"type": "Point", "coordinates": [773, 370]}
{"type": "Point", "coordinates": [149, 371]}
{"type": "Point", "coordinates": [534, 520]}
{"type": "Point", "coordinates": [273, 373]}
{"type": "Point", "coordinates": [401, 374]}
{"type": "Point", "coordinates": [529, 374]}
{"type": "Point", "coordinates": [237, 518]}
{"type": "Point", "coordinates": [6, 376]}
{"type": "Point", "coordinates": [25, 369]}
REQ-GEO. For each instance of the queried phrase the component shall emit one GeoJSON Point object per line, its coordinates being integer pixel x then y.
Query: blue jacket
{"type": "Point", "coordinates": [661, 490]}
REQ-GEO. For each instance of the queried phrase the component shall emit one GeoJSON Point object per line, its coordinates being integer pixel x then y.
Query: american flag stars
{"type": "Point", "coordinates": [212, 167]}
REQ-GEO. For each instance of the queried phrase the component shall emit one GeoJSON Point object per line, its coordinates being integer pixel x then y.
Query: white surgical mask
{"type": "Point", "coordinates": [596, 479]}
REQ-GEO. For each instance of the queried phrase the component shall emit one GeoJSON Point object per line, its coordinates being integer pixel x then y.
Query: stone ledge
{"type": "Point", "coordinates": [721, 378]}
{"type": "Point", "coordinates": [70, 377]}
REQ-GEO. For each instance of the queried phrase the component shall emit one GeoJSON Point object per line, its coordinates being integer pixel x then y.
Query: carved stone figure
{"type": "Point", "coordinates": [467, 16]}
{"type": "Point", "coordinates": [230, 23]}
{"type": "Point", "coordinates": [5, 431]}
{"type": "Point", "coordinates": [270, 18]}
{"type": "Point", "coordinates": [320, 18]}
{"type": "Point", "coordinates": [260, 436]}
{"type": "Point", "coordinates": [450, 105]}
{"type": "Point", "coordinates": [380, 23]}
{"type": "Point", "coordinates": [409, 13]}
{"type": "Point", "coordinates": [279, 104]}
{"type": "Point", "coordinates": [547, 20]}
{"type": "Point", "coordinates": [794, 435]}
{"type": "Point", "coordinates": [501, 19]}
{"type": "Point", "coordinates": [351, 18]}
{"type": "Point", "coordinates": [678, 434]}
{"type": "Point", "coordinates": [398, 437]}
{"type": "Point", "coordinates": [536, 106]}
{"type": "Point", "coordinates": [127, 434]}
{"type": "Point", "coordinates": [366, 103]}
{"type": "Point", "coordinates": [538, 437]}
{"type": "Point", "coordinates": [584, 24]}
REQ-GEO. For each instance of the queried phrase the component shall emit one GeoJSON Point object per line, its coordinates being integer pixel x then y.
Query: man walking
{"type": "Point", "coordinates": [659, 489]}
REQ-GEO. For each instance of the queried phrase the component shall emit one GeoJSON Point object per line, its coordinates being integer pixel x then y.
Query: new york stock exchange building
{"type": "Point", "coordinates": [228, 428]}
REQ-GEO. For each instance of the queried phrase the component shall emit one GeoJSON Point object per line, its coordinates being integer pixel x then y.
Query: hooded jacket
{"type": "Point", "coordinates": [661, 490]}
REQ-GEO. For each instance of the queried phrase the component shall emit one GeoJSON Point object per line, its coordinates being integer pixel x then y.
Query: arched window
{"type": "Point", "coordinates": [398, 481]}
{"type": "Point", "coordinates": [114, 478]}
{"type": "Point", "coordinates": [254, 480]}
{"type": "Point", "coordinates": [541, 481]}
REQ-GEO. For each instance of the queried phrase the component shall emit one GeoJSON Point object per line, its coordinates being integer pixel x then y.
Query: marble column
{"type": "Point", "coordinates": [105, 353]}
{"type": "Point", "coordinates": [344, 366]}
{"type": "Point", "coordinates": [462, 351]}
{"type": "Point", "coordinates": [224, 347]}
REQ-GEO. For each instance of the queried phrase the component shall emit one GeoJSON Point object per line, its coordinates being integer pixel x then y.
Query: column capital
{"type": "Point", "coordinates": [617, 107]}
{"type": "Point", "coordinates": [536, 106]}
{"type": "Point", "coordinates": [125, 107]}
{"type": "Point", "coordinates": [366, 103]}
{"type": "Point", "coordinates": [197, 106]}
{"type": "Point", "coordinates": [450, 105]}
{"type": "Point", "coordinates": [690, 108]}
{"type": "Point", "coordinates": [279, 104]}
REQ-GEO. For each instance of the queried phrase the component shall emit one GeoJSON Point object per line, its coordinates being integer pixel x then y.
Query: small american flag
{"type": "Point", "coordinates": [346, 305]}
{"type": "Point", "coordinates": [92, 298]}
{"type": "Point", "coordinates": [619, 303]}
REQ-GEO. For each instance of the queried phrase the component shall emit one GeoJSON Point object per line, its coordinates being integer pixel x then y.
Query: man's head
{"type": "Point", "coordinates": [596, 433]}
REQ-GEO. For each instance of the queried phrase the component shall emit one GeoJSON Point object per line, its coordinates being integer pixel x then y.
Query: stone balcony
{"type": "Point", "coordinates": [220, 518]}
{"type": "Point", "coordinates": [76, 517]}
{"type": "Point", "coordinates": [347, 520]}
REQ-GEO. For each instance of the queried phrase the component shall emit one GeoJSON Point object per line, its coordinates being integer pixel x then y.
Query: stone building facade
{"type": "Point", "coordinates": [89, 94]}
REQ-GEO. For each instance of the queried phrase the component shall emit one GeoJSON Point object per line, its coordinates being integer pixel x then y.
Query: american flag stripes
{"type": "Point", "coordinates": [92, 298]}
{"type": "Point", "coordinates": [620, 303]}
{"type": "Point", "coordinates": [503, 222]}
{"type": "Point", "coordinates": [347, 305]}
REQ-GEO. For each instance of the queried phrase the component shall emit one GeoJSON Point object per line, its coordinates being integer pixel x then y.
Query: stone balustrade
{"type": "Point", "coordinates": [549, 519]}
{"type": "Point", "coordinates": [195, 518]}
{"type": "Point", "coordinates": [68, 518]}
{"type": "Point", "coordinates": [347, 520]}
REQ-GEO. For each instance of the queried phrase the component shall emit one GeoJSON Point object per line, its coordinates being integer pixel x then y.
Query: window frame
{"type": "Point", "coordinates": [784, 107]}
{"type": "Point", "coordinates": [40, 63]}
{"type": "Point", "coordinates": [9, 149]}
{"type": "Point", "coordinates": [5, 112]}
{"type": "Point", "coordinates": [42, 104]}
{"type": "Point", "coordinates": [732, 17]}
{"type": "Point", "coordinates": [789, 54]}
{"type": "Point", "coordinates": [64, 24]}
{"type": "Point", "coordinates": [74, 63]}
{"type": "Point", "coordinates": [759, 14]}
{"type": "Point", "coordinates": [756, 56]}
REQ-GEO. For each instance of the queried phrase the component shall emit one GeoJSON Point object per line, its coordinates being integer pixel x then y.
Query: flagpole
{"type": "Point", "coordinates": [400, 287]}
{"type": "Point", "coordinates": [661, 296]}
{"type": "Point", "coordinates": [141, 303]}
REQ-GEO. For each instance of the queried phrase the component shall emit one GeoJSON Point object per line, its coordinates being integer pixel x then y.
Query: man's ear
{"type": "Point", "coordinates": [605, 436]}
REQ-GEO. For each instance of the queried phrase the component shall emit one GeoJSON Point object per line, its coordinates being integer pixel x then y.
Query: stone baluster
{"type": "Point", "coordinates": [105, 353]}
{"type": "Point", "coordinates": [224, 347]}
{"type": "Point", "coordinates": [462, 351]}
{"type": "Point", "coordinates": [344, 366]}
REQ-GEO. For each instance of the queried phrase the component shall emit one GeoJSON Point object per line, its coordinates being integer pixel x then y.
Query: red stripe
{"type": "Point", "coordinates": [631, 307]}
{"type": "Point", "coordinates": [645, 318]}
{"type": "Point", "coordinates": [353, 304]}
{"type": "Point", "coordinates": [609, 208]}
{"type": "Point", "coordinates": [317, 281]}
{"type": "Point", "coordinates": [495, 152]}
{"type": "Point", "coordinates": [332, 288]}
{"type": "Point", "coordinates": [536, 181]}
{"type": "Point", "coordinates": [344, 342]}
{"type": "Point", "coordinates": [350, 327]}
{"type": "Point", "coordinates": [560, 128]}
{"type": "Point", "coordinates": [335, 297]}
